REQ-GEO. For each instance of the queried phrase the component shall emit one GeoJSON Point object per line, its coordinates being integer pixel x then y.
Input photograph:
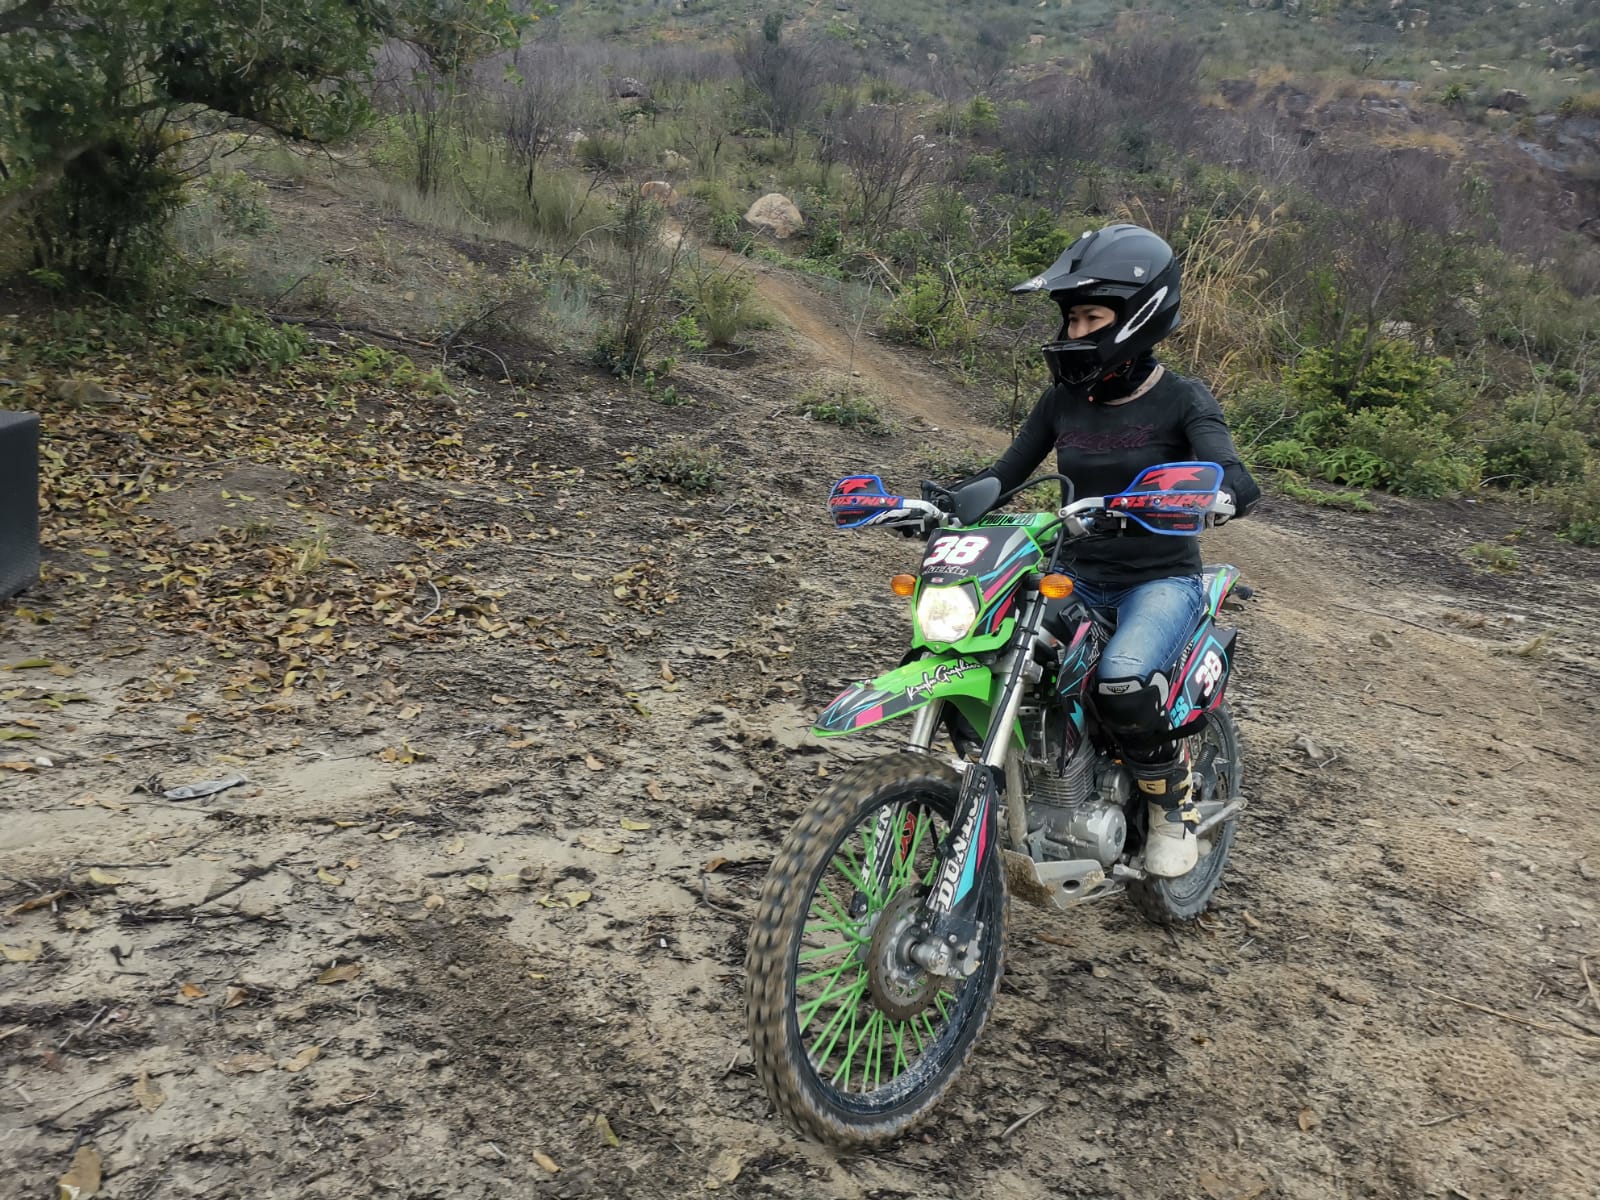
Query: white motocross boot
{"type": "Point", "coordinates": [1171, 849]}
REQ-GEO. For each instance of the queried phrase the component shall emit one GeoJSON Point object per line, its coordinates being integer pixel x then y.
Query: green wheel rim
{"type": "Point", "coordinates": [855, 1050]}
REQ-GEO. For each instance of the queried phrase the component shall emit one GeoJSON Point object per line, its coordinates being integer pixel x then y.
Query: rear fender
{"type": "Point", "coordinates": [963, 681]}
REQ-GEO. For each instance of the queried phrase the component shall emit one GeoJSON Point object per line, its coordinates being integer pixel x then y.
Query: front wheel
{"type": "Point", "coordinates": [1169, 901]}
{"type": "Point", "coordinates": [852, 1040]}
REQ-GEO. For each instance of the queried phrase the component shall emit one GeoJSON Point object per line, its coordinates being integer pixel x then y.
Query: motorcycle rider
{"type": "Point", "coordinates": [1110, 411]}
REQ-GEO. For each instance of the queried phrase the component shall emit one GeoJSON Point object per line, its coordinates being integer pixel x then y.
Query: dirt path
{"type": "Point", "coordinates": [829, 341]}
{"type": "Point", "coordinates": [489, 883]}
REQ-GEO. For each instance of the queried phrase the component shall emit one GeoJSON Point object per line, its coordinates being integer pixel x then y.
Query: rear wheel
{"type": "Point", "coordinates": [1169, 901]}
{"type": "Point", "coordinates": [852, 1040]}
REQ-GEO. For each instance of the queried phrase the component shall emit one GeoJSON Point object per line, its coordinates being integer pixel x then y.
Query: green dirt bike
{"type": "Point", "coordinates": [879, 940]}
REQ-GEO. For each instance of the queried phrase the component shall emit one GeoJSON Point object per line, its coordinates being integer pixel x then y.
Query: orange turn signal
{"type": "Point", "coordinates": [1055, 587]}
{"type": "Point", "coordinates": [903, 585]}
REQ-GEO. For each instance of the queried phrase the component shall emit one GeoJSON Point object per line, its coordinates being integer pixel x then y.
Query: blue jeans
{"type": "Point", "coordinates": [1154, 621]}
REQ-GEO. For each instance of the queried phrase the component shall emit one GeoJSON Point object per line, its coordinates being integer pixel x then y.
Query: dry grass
{"type": "Point", "coordinates": [1229, 328]}
{"type": "Point", "coordinates": [1432, 140]}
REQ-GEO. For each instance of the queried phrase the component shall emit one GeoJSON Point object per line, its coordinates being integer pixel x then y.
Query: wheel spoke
{"type": "Point", "coordinates": [850, 1044]}
{"type": "Point", "coordinates": [835, 1025]}
{"type": "Point", "coordinates": [897, 1031]}
{"type": "Point", "coordinates": [825, 893]}
{"type": "Point", "coordinates": [854, 875]}
{"type": "Point", "coordinates": [824, 951]}
{"type": "Point", "coordinates": [815, 976]}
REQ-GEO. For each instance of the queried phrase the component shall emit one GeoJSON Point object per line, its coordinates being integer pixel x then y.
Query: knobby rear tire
{"type": "Point", "coordinates": [1173, 901]}
{"type": "Point", "coordinates": [781, 1059]}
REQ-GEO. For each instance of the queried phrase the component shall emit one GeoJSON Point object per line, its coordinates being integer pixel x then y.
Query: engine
{"type": "Point", "coordinates": [1076, 795]}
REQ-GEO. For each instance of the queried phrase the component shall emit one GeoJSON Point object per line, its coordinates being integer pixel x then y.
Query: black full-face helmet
{"type": "Point", "coordinates": [1125, 268]}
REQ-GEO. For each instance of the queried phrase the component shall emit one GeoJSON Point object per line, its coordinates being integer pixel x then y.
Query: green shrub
{"type": "Point", "coordinates": [105, 223]}
{"type": "Point", "coordinates": [1296, 488]}
{"type": "Point", "coordinates": [1418, 455]}
{"type": "Point", "coordinates": [846, 409]}
{"type": "Point", "coordinates": [603, 152]}
{"type": "Point", "coordinates": [981, 118]}
{"type": "Point", "coordinates": [1285, 454]}
{"type": "Point", "coordinates": [1395, 375]}
{"type": "Point", "coordinates": [231, 341]}
{"type": "Point", "coordinates": [676, 463]}
{"type": "Point", "coordinates": [720, 301]}
{"type": "Point", "coordinates": [930, 312]}
{"type": "Point", "coordinates": [1353, 466]}
{"type": "Point", "coordinates": [1525, 453]}
{"type": "Point", "coordinates": [241, 202]}
{"type": "Point", "coordinates": [1502, 560]}
{"type": "Point", "coordinates": [946, 462]}
{"type": "Point", "coordinates": [1256, 412]}
{"type": "Point", "coordinates": [1577, 505]}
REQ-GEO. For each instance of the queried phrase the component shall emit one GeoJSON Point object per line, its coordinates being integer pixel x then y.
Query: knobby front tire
{"type": "Point", "coordinates": [834, 1062]}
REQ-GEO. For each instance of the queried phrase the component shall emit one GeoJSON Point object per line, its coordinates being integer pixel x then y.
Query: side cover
{"type": "Point", "coordinates": [964, 681]}
{"type": "Point", "coordinates": [1204, 678]}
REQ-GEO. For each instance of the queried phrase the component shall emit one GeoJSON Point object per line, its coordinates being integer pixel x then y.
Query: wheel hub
{"type": "Point", "coordinates": [900, 988]}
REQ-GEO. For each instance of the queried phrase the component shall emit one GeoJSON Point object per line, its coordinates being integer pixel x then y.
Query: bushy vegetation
{"type": "Point", "coordinates": [677, 463]}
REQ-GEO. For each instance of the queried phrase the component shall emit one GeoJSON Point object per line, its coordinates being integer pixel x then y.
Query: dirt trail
{"type": "Point", "coordinates": [547, 905]}
{"type": "Point", "coordinates": [825, 335]}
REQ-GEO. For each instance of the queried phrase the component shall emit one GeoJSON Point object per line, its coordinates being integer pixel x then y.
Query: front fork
{"type": "Point", "coordinates": [949, 936]}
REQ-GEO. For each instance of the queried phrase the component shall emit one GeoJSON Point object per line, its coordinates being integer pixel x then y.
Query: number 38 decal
{"type": "Point", "coordinates": [955, 550]}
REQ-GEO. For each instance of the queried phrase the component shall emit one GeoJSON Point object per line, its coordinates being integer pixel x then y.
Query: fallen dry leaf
{"type": "Point", "coordinates": [28, 953]}
{"type": "Point", "coordinates": [327, 877]}
{"type": "Point", "coordinates": [654, 789]}
{"type": "Point", "coordinates": [241, 1064]}
{"type": "Point", "coordinates": [27, 664]}
{"type": "Point", "coordinates": [478, 883]}
{"type": "Point", "coordinates": [389, 835]}
{"type": "Point", "coordinates": [606, 1132]}
{"type": "Point", "coordinates": [148, 1095]}
{"type": "Point", "coordinates": [82, 1179]}
{"type": "Point", "coordinates": [341, 974]}
{"type": "Point", "coordinates": [715, 863]}
{"type": "Point", "coordinates": [599, 845]}
{"type": "Point", "coordinates": [411, 712]}
{"type": "Point", "coordinates": [192, 991]}
{"type": "Point", "coordinates": [634, 826]}
{"type": "Point", "coordinates": [593, 763]}
{"type": "Point", "coordinates": [456, 846]}
{"type": "Point", "coordinates": [666, 673]}
{"type": "Point", "coordinates": [434, 901]}
{"type": "Point", "coordinates": [1309, 1120]}
{"type": "Point", "coordinates": [235, 996]}
{"type": "Point", "coordinates": [35, 902]}
{"type": "Point", "coordinates": [546, 1162]}
{"type": "Point", "coordinates": [301, 1061]}
{"type": "Point", "coordinates": [725, 1169]}
{"type": "Point", "coordinates": [104, 878]}
{"type": "Point", "coordinates": [574, 899]}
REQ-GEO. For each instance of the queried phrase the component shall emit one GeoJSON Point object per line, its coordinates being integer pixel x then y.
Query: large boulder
{"type": "Point", "coordinates": [775, 214]}
{"type": "Point", "coordinates": [659, 191]}
{"type": "Point", "coordinates": [1511, 100]}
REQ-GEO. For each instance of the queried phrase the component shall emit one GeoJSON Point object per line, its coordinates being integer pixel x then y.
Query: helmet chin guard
{"type": "Point", "coordinates": [1125, 268]}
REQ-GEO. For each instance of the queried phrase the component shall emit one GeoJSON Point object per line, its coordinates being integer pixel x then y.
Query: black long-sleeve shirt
{"type": "Point", "coordinates": [1102, 446]}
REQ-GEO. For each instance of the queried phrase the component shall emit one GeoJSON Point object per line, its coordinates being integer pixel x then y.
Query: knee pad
{"type": "Point", "coordinates": [1135, 710]}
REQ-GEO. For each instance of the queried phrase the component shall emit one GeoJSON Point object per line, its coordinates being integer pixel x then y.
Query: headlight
{"type": "Point", "coordinates": [947, 614]}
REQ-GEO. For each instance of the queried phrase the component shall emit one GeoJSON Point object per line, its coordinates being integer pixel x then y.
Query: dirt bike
{"type": "Point", "coordinates": [879, 939]}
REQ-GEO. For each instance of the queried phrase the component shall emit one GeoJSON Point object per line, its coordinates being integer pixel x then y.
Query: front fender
{"type": "Point", "coordinates": [964, 681]}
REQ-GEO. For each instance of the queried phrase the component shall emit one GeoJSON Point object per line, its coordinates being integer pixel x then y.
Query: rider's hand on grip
{"type": "Point", "coordinates": [1221, 509]}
